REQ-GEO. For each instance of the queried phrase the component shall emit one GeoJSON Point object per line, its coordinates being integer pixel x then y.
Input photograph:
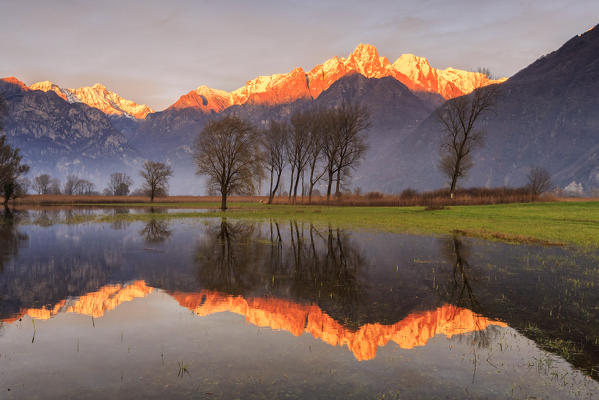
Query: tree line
{"type": "Point", "coordinates": [313, 145]}
{"type": "Point", "coordinates": [318, 146]}
{"type": "Point", "coordinates": [154, 174]}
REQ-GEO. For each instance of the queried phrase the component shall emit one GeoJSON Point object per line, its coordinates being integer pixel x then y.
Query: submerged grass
{"type": "Point", "coordinates": [551, 223]}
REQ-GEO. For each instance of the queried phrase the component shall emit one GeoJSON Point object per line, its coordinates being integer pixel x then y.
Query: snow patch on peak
{"type": "Point", "coordinates": [365, 50]}
{"type": "Point", "coordinates": [49, 86]}
{"type": "Point", "coordinates": [99, 86]}
{"type": "Point", "coordinates": [97, 96]}
{"type": "Point", "coordinates": [205, 90]}
{"type": "Point", "coordinates": [409, 62]}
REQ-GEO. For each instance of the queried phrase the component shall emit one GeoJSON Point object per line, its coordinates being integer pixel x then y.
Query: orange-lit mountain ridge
{"type": "Point", "coordinates": [94, 304]}
{"type": "Point", "coordinates": [96, 96]}
{"type": "Point", "coordinates": [414, 72]}
{"type": "Point", "coordinates": [414, 330]}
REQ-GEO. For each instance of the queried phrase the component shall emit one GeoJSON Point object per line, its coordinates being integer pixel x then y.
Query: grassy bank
{"type": "Point", "coordinates": [550, 223]}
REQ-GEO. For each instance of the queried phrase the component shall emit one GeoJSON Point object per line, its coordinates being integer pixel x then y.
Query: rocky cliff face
{"type": "Point", "coordinates": [61, 137]}
{"type": "Point", "coordinates": [97, 96]}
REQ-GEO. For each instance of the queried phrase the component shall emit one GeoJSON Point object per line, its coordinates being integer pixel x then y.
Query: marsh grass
{"type": "Point", "coordinates": [182, 369]}
{"type": "Point", "coordinates": [547, 223]}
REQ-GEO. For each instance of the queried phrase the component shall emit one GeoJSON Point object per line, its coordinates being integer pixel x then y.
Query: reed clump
{"type": "Point", "coordinates": [432, 200]}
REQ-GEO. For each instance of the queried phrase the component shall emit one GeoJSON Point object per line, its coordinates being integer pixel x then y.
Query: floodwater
{"type": "Point", "coordinates": [209, 308]}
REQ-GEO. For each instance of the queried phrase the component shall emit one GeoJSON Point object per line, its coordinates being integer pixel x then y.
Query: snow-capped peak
{"type": "Point", "coordinates": [97, 96]}
{"type": "Point", "coordinates": [364, 52]}
{"type": "Point", "coordinates": [413, 71]}
{"type": "Point", "coordinates": [99, 86]}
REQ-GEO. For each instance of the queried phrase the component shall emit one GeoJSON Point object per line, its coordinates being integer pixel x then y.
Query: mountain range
{"type": "Point", "coordinates": [546, 116]}
{"type": "Point", "coordinates": [96, 96]}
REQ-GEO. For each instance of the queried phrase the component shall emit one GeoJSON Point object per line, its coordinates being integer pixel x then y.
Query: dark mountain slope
{"type": "Point", "coordinates": [547, 115]}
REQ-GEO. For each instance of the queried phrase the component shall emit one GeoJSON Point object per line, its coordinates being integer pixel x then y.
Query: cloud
{"type": "Point", "coordinates": [155, 53]}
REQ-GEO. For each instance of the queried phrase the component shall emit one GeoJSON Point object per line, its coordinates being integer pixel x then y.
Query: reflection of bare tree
{"type": "Point", "coordinates": [74, 215]}
{"type": "Point", "coordinates": [458, 287]}
{"type": "Point", "coordinates": [228, 256]}
{"type": "Point", "coordinates": [323, 265]}
{"type": "Point", "coordinates": [46, 217]}
{"type": "Point", "coordinates": [276, 248]}
{"type": "Point", "coordinates": [458, 291]}
{"type": "Point", "coordinates": [155, 231]}
{"type": "Point", "coordinates": [120, 223]}
{"type": "Point", "coordinates": [302, 262]}
{"type": "Point", "coordinates": [155, 210]}
{"type": "Point", "coordinates": [10, 237]}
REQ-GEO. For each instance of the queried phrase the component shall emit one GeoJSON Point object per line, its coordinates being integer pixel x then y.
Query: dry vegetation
{"type": "Point", "coordinates": [434, 199]}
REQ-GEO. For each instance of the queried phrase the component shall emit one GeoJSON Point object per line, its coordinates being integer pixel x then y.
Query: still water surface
{"type": "Point", "coordinates": [213, 308]}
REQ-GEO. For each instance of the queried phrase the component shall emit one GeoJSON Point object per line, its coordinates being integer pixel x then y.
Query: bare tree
{"type": "Point", "coordinates": [11, 172]}
{"type": "Point", "coordinates": [315, 155]}
{"type": "Point", "coordinates": [23, 184]}
{"type": "Point", "coordinates": [77, 186]}
{"type": "Point", "coordinates": [539, 181]}
{"type": "Point", "coordinates": [84, 187]}
{"type": "Point", "coordinates": [54, 187]}
{"type": "Point", "coordinates": [228, 152]}
{"type": "Point", "coordinates": [275, 144]}
{"type": "Point", "coordinates": [343, 144]}
{"type": "Point", "coordinates": [70, 184]}
{"type": "Point", "coordinates": [458, 117]}
{"type": "Point", "coordinates": [41, 184]}
{"type": "Point", "coordinates": [119, 184]}
{"type": "Point", "coordinates": [298, 148]}
{"type": "Point", "coordinates": [156, 176]}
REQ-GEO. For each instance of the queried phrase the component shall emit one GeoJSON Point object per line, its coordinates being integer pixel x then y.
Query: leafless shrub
{"type": "Point", "coordinates": [539, 181]}
{"type": "Point", "coordinates": [374, 195]}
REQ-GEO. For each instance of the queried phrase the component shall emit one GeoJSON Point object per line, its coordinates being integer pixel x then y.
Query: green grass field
{"type": "Point", "coordinates": [552, 223]}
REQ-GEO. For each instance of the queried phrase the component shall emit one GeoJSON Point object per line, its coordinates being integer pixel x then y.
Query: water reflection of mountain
{"type": "Point", "coordinates": [414, 330]}
{"type": "Point", "coordinates": [279, 314]}
{"type": "Point", "coordinates": [549, 294]}
{"type": "Point", "coordinates": [93, 304]}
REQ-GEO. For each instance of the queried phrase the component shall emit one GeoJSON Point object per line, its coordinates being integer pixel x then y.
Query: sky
{"type": "Point", "coordinates": [153, 52]}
